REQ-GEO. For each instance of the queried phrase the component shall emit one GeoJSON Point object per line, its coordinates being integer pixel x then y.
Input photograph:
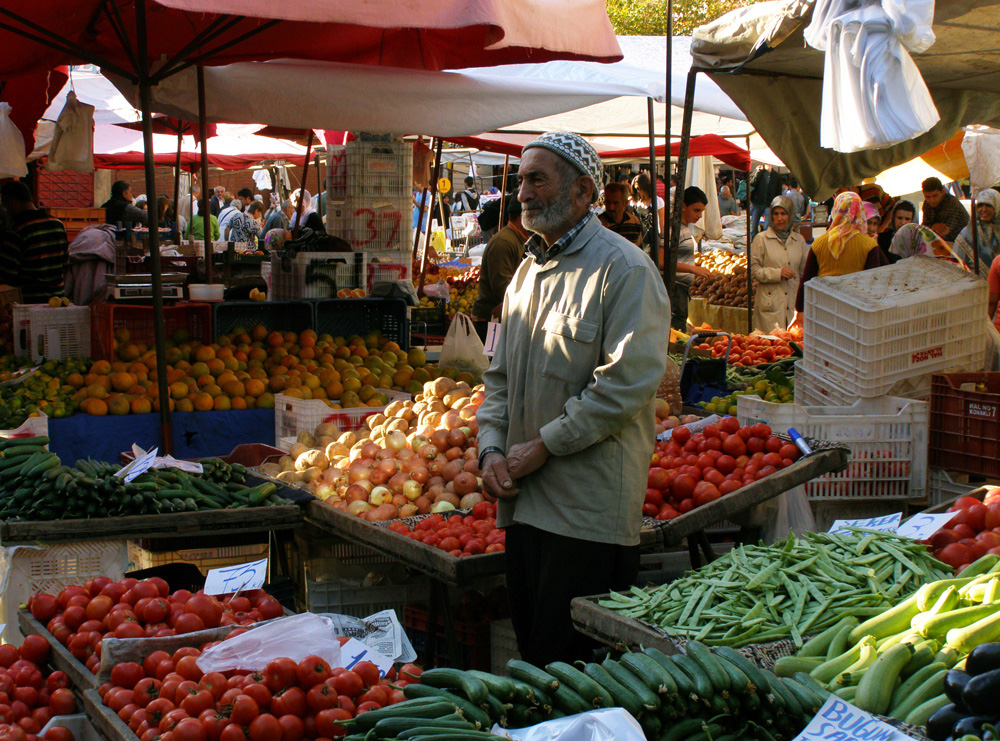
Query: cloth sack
{"type": "Point", "coordinates": [73, 141]}
{"type": "Point", "coordinates": [462, 349]}
{"type": "Point", "coordinates": [12, 164]}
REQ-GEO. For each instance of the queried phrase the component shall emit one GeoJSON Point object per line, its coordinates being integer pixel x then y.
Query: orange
{"type": "Point", "coordinates": [275, 339]}
{"type": "Point", "coordinates": [174, 375]}
{"type": "Point", "coordinates": [334, 389]}
{"type": "Point", "coordinates": [215, 366]}
{"type": "Point", "coordinates": [310, 381]}
{"type": "Point", "coordinates": [96, 391]}
{"type": "Point", "coordinates": [238, 402]}
{"type": "Point", "coordinates": [277, 384]}
{"type": "Point", "coordinates": [174, 355]}
{"type": "Point", "coordinates": [360, 351]}
{"type": "Point", "coordinates": [183, 365]}
{"type": "Point", "coordinates": [233, 388]}
{"type": "Point", "coordinates": [402, 376]}
{"type": "Point", "coordinates": [118, 404]}
{"type": "Point", "coordinates": [391, 347]}
{"type": "Point", "coordinates": [224, 352]}
{"type": "Point", "coordinates": [255, 372]}
{"type": "Point", "coordinates": [199, 369]}
{"type": "Point", "coordinates": [141, 405]}
{"type": "Point", "coordinates": [222, 403]}
{"type": "Point", "coordinates": [213, 390]}
{"type": "Point", "coordinates": [255, 387]}
{"type": "Point", "coordinates": [122, 381]}
{"type": "Point", "coordinates": [101, 367]}
{"type": "Point", "coordinates": [96, 407]}
{"type": "Point", "coordinates": [259, 333]}
{"type": "Point", "coordinates": [138, 369]}
{"type": "Point", "coordinates": [185, 405]}
{"type": "Point", "coordinates": [205, 380]}
{"type": "Point", "coordinates": [203, 402]}
{"type": "Point", "coordinates": [122, 335]}
{"type": "Point", "coordinates": [231, 363]}
{"type": "Point", "coordinates": [307, 353]}
{"type": "Point", "coordinates": [265, 401]}
{"type": "Point", "coordinates": [137, 390]}
{"type": "Point", "coordinates": [178, 390]}
{"type": "Point", "coordinates": [225, 377]}
{"type": "Point", "coordinates": [294, 393]}
{"type": "Point", "coordinates": [366, 393]}
{"type": "Point", "coordinates": [257, 353]}
{"type": "Point", "coordinates": [75, 380]}
{"type": "Point", "coordinates": [156, 405]}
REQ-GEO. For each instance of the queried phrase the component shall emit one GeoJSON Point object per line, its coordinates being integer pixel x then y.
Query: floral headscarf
{"type": "Point", "coordinates": [915, 239]}
{"type": "Point", "coordinates": [989, 236]}
{"type": "Point", "coordinates": [848, 219]}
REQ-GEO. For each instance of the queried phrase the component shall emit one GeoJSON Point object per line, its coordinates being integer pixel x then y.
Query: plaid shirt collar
{"type": "Point", "coordinates": [536, 244]}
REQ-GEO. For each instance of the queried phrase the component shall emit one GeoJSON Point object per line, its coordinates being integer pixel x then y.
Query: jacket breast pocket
{"type": "Point", "coordinates": [569, 348]}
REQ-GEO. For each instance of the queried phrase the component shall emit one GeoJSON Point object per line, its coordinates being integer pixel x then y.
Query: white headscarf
{"type": "Point", "coordinates": [306, 208]}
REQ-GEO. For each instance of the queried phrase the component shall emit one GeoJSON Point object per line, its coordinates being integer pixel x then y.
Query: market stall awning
{"type": "Point", "coordinates": [758, 57]}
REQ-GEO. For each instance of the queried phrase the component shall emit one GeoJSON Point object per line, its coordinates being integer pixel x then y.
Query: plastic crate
{"type": "Point", "coordinates": [346, 598]}
{"type": "Point", "coordinates": [26, 570]}
{"type": "Point", "coordinates": [503, 646]}
{"type": "Point", "coordinates": [292, 416]}
{"type": "Point", "coordinates": [474, 643]}
{"type": "Point", "coordinates": [825, 511]}
{"type": "Point", "coordinates": [192, 318]}
{"type": "Point", "coordinates": [875, 328]}
{"type": "Point", "coordinates": [31, 427]}
{"type": "Point", "coordinates": [815, 390]}
{"type": "Point", "coordinates": [47, 333]}
{"type": "Point", "coordinates": [378, 171]}
{"type": "Point", "coordinates": [943, 486]}
{"type": "Point", "coordinates": [382, 225]}
{"type": "Point", "coordinates": [388, 267]}
{"type": "Point", "coordinates": [346, 316]}
{"type": "Point", "coordinates": [887, 437]}
{"type": "Point", "coordinates": [140, 557]}
{"type": "Point", "coordinates": [9, 295]}
{"type": "Point", "coordinates": [277, 316]}
{"type": "Point", "coordinates": [315, 274]}
{"type": "Point", "coordinates": [78, 723]}
{"type": "Point", "coordinates": [965, 424]}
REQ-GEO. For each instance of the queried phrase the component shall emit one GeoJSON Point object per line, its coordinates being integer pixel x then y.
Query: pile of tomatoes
{"type": "Point", "coordinates": [80, 616]}
{"type": "Point", "coordinates": [167, 697]}
{"type": "Point", "coordinates": [694, 469]}
{"type": "Point", "coordinates": [750, 349]}
{"type": "Point", "coordinates": [29, 698]}
{"type": "Point", "coordinates": [973, 532]}
{"type": "Point", "coordinates": [460, 536]}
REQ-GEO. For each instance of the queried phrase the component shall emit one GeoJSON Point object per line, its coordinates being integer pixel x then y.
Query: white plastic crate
{"type": "Point", "coordinates": [813, 389]}
{"type": "Point", "coordinates": [379, 171]}
{"type": "Point", "coordinates": [292, 416]}
{"type": "Point", "coordinates": [943, 486]}
{"type": "Point", "coordinates": [206, 558]}
{"type": "Point", "coordinates": [32, 427]}
{"type": "Point", "coordinates": [47, 333]}
{"type": "Point", "coordinates": [826, 511]}
{"type": "Point", "coordinates": [875, 328]}
{"type": "Point", "coordinates": [379, 225]}
{"type": "Point", "coordinates": [887, 437]}
{"type": "Point", "coordinates": [25, 570]}
{"type": "Point", "coordinates": [78, 723]}
{"type": "Point", "coordinates": [389, 267]}
{"type": "Point", "coordinates": [316, 275]}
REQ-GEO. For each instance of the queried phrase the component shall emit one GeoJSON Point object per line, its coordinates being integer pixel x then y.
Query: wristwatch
{"type": "Point", "coordinates": [486, 451]}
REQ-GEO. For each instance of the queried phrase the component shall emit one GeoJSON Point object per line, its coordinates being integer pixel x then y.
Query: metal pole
{"type": "Point", "coordinates": [420, 216]}
{"type": "Point", "coordinates": [319, 190]}
{"type": "Point", "coordinates": [427, 235]}
{"type": "Point", "coordinates": [177, 184]}
{"type": "Point", "coordinates": [975, 237]}
{"type": "Point", "coordinates": [666, 134]}
{"type": "Point", "coordinates": [675, 229]}
{"type": "Point", "coordinates": [749, 282]}
{"type": "Point", "coordinates": [652, 170]}
{"type": "Point", "coordinates": [159, 326]}
{"type": "Point", "coordinates": [206, 199]}
{"type": "Point", "coordinates": [302, 188]}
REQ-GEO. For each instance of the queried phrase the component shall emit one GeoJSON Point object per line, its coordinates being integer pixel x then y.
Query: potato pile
{"type": "Point", "coordinates": [727, 286]}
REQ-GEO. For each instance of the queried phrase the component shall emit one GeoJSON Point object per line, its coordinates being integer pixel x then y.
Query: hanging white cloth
{"type": "Point", "coordinates": [701, 173]}
{"type": "Point", "coordinates": [262, 179]}
{"type": "Point", "coordinates": [73, 140]}
{"type": "Point", "coordinates": [981, 147]}
{"type": "Point", "coordinates": [873, 94]}
{"type": "Point", "coordinates": [12, 163]}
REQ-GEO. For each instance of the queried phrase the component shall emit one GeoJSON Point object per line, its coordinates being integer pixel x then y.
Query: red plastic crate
{"type": "Point", "coordinates": [473, 640]}
{"type": "Point", "coordinates": [965, 425]}
{"type": "Point", "coordinates": [105, 318]}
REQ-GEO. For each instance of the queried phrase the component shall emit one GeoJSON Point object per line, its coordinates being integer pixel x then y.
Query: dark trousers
{"type": "Point", "coordinates": [545, 572]}
{"type": "Point", "coordinates": [679, 306]}
{"type": "Point", "coordinates": [481, 328]}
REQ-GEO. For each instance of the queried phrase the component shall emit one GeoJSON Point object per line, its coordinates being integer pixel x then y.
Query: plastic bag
{"type": "Point", "coordinates": [670, 388]}
{"type": "Point", "coordinates": [73, 142]}
{"type": "Point", "coordinates": [12, 163]}
{"type": "Point", "coordinates": [437, 290]}
{"type": "Point", "coordinates": [607, 724]}
{"type": "Point", "coordinates": [462, 349]}
{"type": "Point", "coordinates": [784, 514]}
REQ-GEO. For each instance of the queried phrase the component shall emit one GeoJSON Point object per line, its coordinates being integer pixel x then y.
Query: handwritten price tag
{"type": "Point", "coordinates": [354, 651]}
{"type": "Point", "coordinates": [839, 721]}
{"type": "Point", "coordinates": [231, 579]}
{"type": "Point", "coordinates": [492, 335]}
{"type": "Point", "coordinates": [923, 526]}
{"type": "Point", "coordinates": [885, 524]}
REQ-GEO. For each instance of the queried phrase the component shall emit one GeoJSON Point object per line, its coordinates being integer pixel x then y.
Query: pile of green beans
{"type": "Point", "coordinates": [794, 588]}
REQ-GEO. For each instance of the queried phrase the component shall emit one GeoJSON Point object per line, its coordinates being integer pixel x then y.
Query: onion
{"type": "Point", "coordinates": [395, 441]}
{"type": "Point", "coordinates": [442, 507]}
{"type": "Point", "coordinates": [412, 490]}
{"type": "Point", "coordinates": [408, 510]}
{"type": "Point", "coordinates": [396, 482]}
{"type": "Point", "coordinates": [378, 476]}
{"type": "Point", "coordinates": [389, 465]}
{"type": "Point", "coordinates": [451, 470]}
{"type": "Point", "coordinates": [440, 440]}
{"type": "Point", "coordinates": [424, 504]}
{"type": "Point", "coordinates": [381, 513]}
{"type": "Point", "coordinates": [379, 496]}
{"type": "Point", "coordinates": [457, 438]}
{"type": "Point", "coordinates": [359, 471]}
{"type": "Point", "coordinates": [358, 508]}
{"type": "Point", "coordinates": [470, 500]}
{"type": "Point", "coordinates": [355, 493]}
{"type": "Point", "coordinates": [453, 454]}
{"type": "Point", "coordinates": [370, 450]}
{"type": "Point", "coordinates": [465, 483]}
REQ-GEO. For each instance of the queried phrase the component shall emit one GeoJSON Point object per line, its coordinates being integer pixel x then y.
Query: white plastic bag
{"type": "Point", "coordinates": [73, 141]}
{"type": "Point", "coordinates": [462, 349]}
{"type": "Point", "coordinates": [607, 724]}
{"type": "Point", "coordinates": [787, 513]}
{"type": "Point", "coordinates": [437, 290]}
{"type": "Point", "coordinates": [12, 162]}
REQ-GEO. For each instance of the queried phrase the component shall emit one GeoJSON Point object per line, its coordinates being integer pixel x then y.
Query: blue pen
{"type": "Point", "coordinates": [799, 441]}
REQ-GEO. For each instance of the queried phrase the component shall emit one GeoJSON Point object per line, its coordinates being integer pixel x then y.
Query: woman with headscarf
{"type": "Point", "coordinates": [308, 218]}
{"type": "Point", "coordinates": [902, 213]}
{"type": "Point", "coordinates": [844, 248]}
{"type": "Point", "coordinates": [777, 259]}
{"type": "Point", "coordinates": [988, 225]}
{"type": "Point", "coordinates": [916, 239]}
{"type": "Point", "coordinates": [872, 219]}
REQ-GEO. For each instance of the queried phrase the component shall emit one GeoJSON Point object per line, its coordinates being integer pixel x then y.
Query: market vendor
{"type": "Point", "coordinates": [695, 202]}
{"type": "Point", "coordinates": [118, 209]}
{"type": "Point", "coordinates": [500, 260]}
{"type": "Point", "coordinates": [564, 429]}
{"type": "Point", "coordinates": [34, 251]}
{"type": "Point", "coordinates": [942, 212]}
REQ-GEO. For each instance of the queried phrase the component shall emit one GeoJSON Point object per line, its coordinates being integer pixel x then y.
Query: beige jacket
{"type": "Point", "coordinates": [774, 300]}
{"type": "Point", "coordinates": [582, 348]}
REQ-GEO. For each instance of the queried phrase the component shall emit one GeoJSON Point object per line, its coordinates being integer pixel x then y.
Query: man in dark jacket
{"type": "Point", "coordinates": [34, 250]}
{"type": "Point", "coordinates": [119, 209]}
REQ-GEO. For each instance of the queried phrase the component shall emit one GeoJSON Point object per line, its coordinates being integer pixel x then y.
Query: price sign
{"type": "Point", "coordinates": [492, 335]}
{"type": "Point", "coordinates": [444, 185]}
{"type": "Point", "coordinates": [239, 578]}
{"type": "Point", "coordinates": [354, 651]}
{"type": "Point", "coordinates": [839, 721]}
{"type": "Point", "coordinates": [924, 525]}
{"type": "Point", "coordinates": [138, 466]}
{"type": "Point", "coordinates": [885, 524]}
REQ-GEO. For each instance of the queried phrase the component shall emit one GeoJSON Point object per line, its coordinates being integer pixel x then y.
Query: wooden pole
{"type": "Point", "coordinates": [420, 216]}
{"type": "Point", "coordinates": [177, 183]}
{"type": "Point", "coordinates": [206, 199]}
{"type": "Point", "coordinates": [666, 134]}
{"type": "Point", "coordinates": [652, 172]}
{"type": "Point", "coordinates": [159, 326]}
{"type": "Point", "coordinates": [302, 188]}
{"type": "Point", "coordinates": [749, 282]}
{"type": "Point", "coordinates": [675, 228]}
{"type": "Point", "coordinates": [427, 236]}
{"type": "Point", "coordinates": [320, 190]}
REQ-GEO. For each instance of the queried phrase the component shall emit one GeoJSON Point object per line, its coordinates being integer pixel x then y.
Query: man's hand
{"type": "Point", "coordinates": [940, 229]}
{"type": "Point", "coordinates": [700, 271]}
{"type": "Point", "coordinates": [797, 321]}
{"type": "Point", "coordinates": [788, 274]}
{"type": "Point", "coordinates": [497, 478]}
{"type": "Point", "coordinates": [528, 457]}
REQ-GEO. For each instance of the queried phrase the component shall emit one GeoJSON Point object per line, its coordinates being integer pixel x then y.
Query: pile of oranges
{"type": "Point", "coordinates": [246, 368]}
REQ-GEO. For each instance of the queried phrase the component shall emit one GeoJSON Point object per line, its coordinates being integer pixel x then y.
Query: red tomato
{"type": "Point", "coordinates": [260, 694]}
{"type": "Point", "coordinates": [43, 607]}
{"type": "Point", "coordinates": [657, 478]}
{"type": "Point", "coordinates": [327, 722]}
{"type": "Point", "coordinates": [965, 502]}
{"type": "Point", "coordinates": [321, 697]}
{"type": "Point", "coordinates": [269, 608]}
{"type": "Point", "coordinates": [292, 728]}
{"type": "Point", "coordinates": [993, 516]}
{"type": "Point", "coordinates": [955, 555]}
{"type": "Point", "coordinates": [58, 733]}
{"type": "Point", "coordinates": [35, 649]}
{"type": "Point", "coordinates": [705, 492]}
{"type": "Point", "coordinates": [683, 486]}
{"type": "Point", "coordinates": [244, 710]}
{"type": "Point", "coordinates": [713, 476]}
{"type": "Point", "coordinates": [233, 732]}
{"type": "Point", "coordinates": [279, 674]}
{"type": "Point", "coordinates": [964, 531]}
{"type": "Point", "coordinates": [681, 435]}
{"type": "Point", "coordinates": [686, 506]}
{"type": "Point", "coordinates": [942, 538]}
{"type": "Point", "coordinates": [789, 452]}
{"type": "Point", "coordinates": [188, 623]}
{"type": "Point", "coordinates": [265, 728]}
{"type": "Point", "coordinates": [207, 608]}
{"type": "Point", "coordinates": [290, 701]}
{"type": "Point", "coordinates": [349, 684]}
{"type": "Point", "coordinates": [62, 702]}
{"type": "Point", "coordinates": [975, 517]}
{"type": "Point", "coordinates": [126, 674]}
{"type": "Point", "coordinates": [312, 670]}
{"type": "Point", "coordinates": [368, 672]}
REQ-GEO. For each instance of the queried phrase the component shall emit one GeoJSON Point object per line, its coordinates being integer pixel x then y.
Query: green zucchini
{"type": "Point", "coordinates": [584, 686]}
{"type": "Point", "coordinates": [531, 674]}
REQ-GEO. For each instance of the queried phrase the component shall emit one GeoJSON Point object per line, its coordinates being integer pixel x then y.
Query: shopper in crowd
{"type": "Point", "coordinates": [726, 181]}
{"type": "Point", "coordinates": [244, 197]}
{"type": "Point", "coordinates": [500, 260]}
{"type": "Point", "coordinates": [942, 212]}
{"type": "Point", "coordinates": [759, 200]}
{"type": "Point", "coordinates": [468, 199]}
{"type": "Point", "coordinates": [741, 193]}
{"type": "Point", "coordinates": [872, 220]}
{"type": "Point", "coordinates": [642, 199]}
{"type": "Point", "coordinates": [140, 203]}
{"type": "Point", "coordinates": [119, 209]}
{"type": "Point", "coordinates": [216, 202]}
{"type": "Point", "coordinates": [695, 202]}
{"type": "Point", "coordinates": [777, 259]}
{"type": "Point", "coordinates": [617, 216]}
{"type": "Point", "coordinates": [308, 218]}
{"type": "Point", "coordinates": [728, 206]}
{"type": "Point", "coordinates": [196, 228]}
{"type": "Point", "coordinates": [281, 217]}
{"type": "Point", "coordinates": [246, 225]}
{"type": "Point", "coordinates": [166, 218]}
{"type": "Point", "coordinates": [799, 200]}
{"type": "Point", "coordinates": [988, 227]}
{"type": "Point", "coordinates": [917, 239]}
{"type": "Point", "coordinates": [903, 212]}
{"type": "Point", "coordinates": [564, 429]}
{"type": "Point", "coordinates": [843, 248]}
{"type": "Point", "coordinates": [34, 251]}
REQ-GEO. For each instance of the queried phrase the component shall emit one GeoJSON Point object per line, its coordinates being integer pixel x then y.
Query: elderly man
{"type": "Point", "coordinates": [216, 203]}
{"type": "Point", "coordinates": [942, 212]}
{"type": "Point", "coordinates": [280, 217]}
{"type": "Point", "coordinates": [617, 216]}
{"type": "Point", "coordinates": [564, 431]}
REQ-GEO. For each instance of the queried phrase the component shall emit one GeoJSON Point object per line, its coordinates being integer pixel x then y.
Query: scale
{"type": "Point", "coordinates": [139, 286]}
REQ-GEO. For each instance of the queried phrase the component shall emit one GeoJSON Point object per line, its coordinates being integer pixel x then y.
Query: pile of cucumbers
{"type": "Point", "coordinates": [36, 485]}
{"type": "Point", "coordinates": [900, 663]}
{"type": "Point", "coordinates": [695, 696]}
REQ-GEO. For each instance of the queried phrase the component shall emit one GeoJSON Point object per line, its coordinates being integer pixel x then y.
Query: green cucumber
{"type": "Point", "coordinates": [685, 687]}
{"type": "Point", "coordinates": [649, 700]}
{"type": "Point", "coordinates": [500, 687]}
{"type": "Point", "coordinates": [703, 685]}
{"type": "Point", "coordinates": [876, 686]}
{"type": "Point", "coordinates": [414, 708]}
{"type": "Point", "coordinates": [622, 696]}
{"type": "Point", "coordinates": [584, 686]}
{"type": "Point", "coordinates": [471, 713]}
{"type": "Point", "coordinates": [932, 686]}
{"type": "Point", "coordinates": [787, 666]}
{"type": "Point", "coordinates": [709, 665]}
{"type": "Point", "coordinates": [455, 679]}
{"type": "Point", "coordinates": [655, 676]}
{"type": "Point", "coordinates": [531, 674]}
